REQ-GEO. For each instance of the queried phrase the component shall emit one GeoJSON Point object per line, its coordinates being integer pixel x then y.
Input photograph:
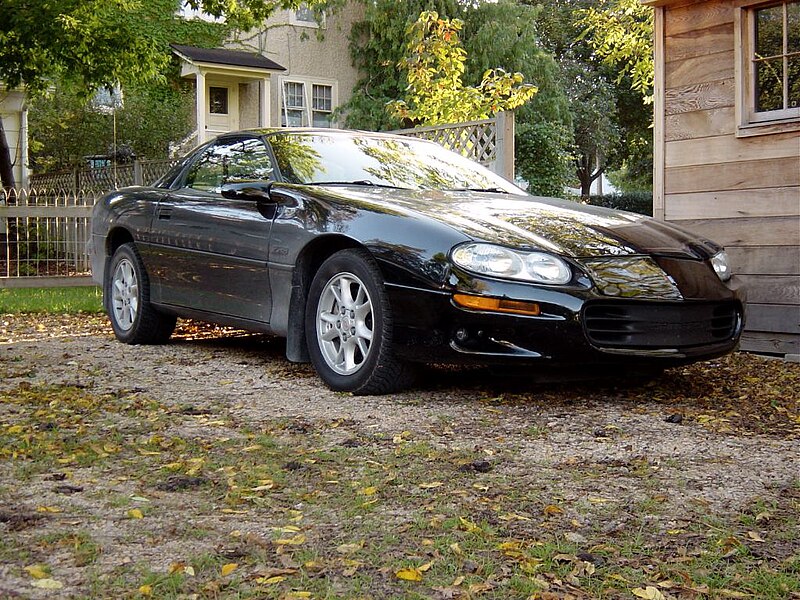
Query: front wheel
{"type": "Point", "coordinates": [349, 327]}
{"type": "Point", "coordinates": [127, 300]}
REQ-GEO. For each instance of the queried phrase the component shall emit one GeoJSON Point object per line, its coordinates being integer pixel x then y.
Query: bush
{"type": "Point", "coordinates": [638, 202]}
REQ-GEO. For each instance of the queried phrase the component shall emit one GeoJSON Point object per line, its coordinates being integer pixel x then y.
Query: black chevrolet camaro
{"type": "Point", "coordinates": [372, 252]}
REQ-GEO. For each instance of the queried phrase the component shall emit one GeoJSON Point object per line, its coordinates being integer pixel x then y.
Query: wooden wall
{"type": "Point", "coordinates": [743, 192]}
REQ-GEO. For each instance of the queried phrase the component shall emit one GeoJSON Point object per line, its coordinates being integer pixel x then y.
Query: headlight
{"type": "Point", "coordinates": [721, 266]}
{"type": "Point", "coordinates": [496, 261]}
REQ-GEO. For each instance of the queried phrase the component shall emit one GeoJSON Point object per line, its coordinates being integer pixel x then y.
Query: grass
{"type": "Point", "coordinates": [287, 509]}
{"type": "Point", "coordinates": [69, 300]}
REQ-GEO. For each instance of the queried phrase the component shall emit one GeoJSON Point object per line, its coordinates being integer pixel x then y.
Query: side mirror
{"type": "Point", "coordinates": [251, 190]}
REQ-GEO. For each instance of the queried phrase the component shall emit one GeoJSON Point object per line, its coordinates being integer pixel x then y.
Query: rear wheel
{"type": "Point", "coordinates": [127, 299]}
{"type": "Point", "coordinates": [349, 327]}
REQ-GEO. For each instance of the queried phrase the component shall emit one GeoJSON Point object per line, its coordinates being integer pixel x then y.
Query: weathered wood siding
{"type": "Point", "coordinates": [743, 192]}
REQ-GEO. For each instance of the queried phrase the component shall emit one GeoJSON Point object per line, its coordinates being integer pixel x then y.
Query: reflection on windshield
{"type": "Point", "coordinates": [409, 163]}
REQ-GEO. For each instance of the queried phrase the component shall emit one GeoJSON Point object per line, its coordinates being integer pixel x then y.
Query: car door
{"type": "Point", "coordinates": [210, 252]}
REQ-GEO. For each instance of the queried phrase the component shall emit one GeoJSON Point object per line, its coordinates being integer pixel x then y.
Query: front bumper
{"type": "Point", "coordinates": [430, 327]}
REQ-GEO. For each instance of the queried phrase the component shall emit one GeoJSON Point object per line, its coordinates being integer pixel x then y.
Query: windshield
{"type": "Point", "coordinates": [344, 158]}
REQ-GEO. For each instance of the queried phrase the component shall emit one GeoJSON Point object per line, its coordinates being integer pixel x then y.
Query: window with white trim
{"type": "Point", "coordinates": [321, 105]}
{"type": "Point", "coordinates": [307, 104]}
{"type": "Point", "coordinates": [294, 107]}
{"type": "Point", "coordinates": [770, 67]}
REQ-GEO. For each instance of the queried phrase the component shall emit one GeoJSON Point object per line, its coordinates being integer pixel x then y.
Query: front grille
{"type": "Point", "coordinates": [660, 325]}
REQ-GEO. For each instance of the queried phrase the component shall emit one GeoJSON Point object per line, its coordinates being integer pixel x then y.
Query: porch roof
{"type": "Point", "coordinates": [223, 57]}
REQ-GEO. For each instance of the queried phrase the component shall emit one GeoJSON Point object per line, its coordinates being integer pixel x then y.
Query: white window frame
{"type": "Point", "coordinates": [750, 122]}
{"type": "Point", "coordinates": [307, 119]}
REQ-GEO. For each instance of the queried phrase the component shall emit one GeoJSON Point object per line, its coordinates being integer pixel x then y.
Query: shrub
{"type": "Point", "coordinates": [638, 202]}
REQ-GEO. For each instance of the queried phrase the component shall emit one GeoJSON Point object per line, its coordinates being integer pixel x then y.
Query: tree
{"type": "Point", "coordinates": [95, 43]}
{"type": "Point", "coordinates": [435, 64]}
{"type": "Point", "coordinates": [377, 45]}
{"type": "Point", "coordinates": [621, 33]}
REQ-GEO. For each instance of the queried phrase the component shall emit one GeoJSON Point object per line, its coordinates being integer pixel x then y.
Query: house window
{"type": "Point", "coordinates": [218, 100]}
{"type": "Point", "coordinates": [307, 103]}
{"type": "Point", "coordinates": [293, 104]}
{"type": "Point", "coordinates": [306, 17]}
{"type": "Point", "coordinates": [321, 105]}
{"type": "Point", "coordinates": [770, 68]}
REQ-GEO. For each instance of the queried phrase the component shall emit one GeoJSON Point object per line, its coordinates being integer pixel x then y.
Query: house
{"type": "Point", "coordinates": [727, 146]}
{"type": "Point", "coordinates": [14, 115]}
{"type": "Point", "coordinates": [293, 71]}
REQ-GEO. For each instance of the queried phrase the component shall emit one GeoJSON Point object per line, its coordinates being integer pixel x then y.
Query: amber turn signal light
{"type": "Point", "coordinates": [516, 307]}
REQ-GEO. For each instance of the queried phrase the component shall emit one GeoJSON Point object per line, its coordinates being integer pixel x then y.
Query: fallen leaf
{"type": "Point", "coordinates": [48, 509]}
{"type": "Point", "coordinates": [369, 491]}
{"type": "Point", "coordinates": [48, 584]}
{"type": "Point", "coordinates": [552, 510]}
{"type": "Point", "coordinates": [228, 568]}
{"type": "Point", "coordinates": [410, 574]}
{"type": "Point", "coordinates": [431, 485]}
{"type": "Point", "coordinates": [292, 541]}
{"type": "Point", "coordinates": [350, 548]}
{"type": "Point", "coordinates": [649, 593]}
{"type": "Point", "coordinates": [135, 513]}
{"type": "Point", "coordinates": [146, 590]}
{"type": "Point", "coordinates": [37, 571]}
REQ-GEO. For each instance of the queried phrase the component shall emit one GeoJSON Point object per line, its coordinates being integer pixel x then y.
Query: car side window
{"type": "Point", "coordinates": [230, 161]}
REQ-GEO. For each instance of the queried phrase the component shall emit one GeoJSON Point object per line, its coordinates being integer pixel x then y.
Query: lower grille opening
{"type": "Point", "coordinates": [660, 325]}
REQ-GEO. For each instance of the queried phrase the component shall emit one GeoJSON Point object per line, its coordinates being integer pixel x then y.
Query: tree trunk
{"type": "Point", "coordinates": [6, 166]}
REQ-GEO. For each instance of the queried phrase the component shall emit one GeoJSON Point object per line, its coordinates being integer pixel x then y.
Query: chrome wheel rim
{"type": "Point", "coordinates": [345, 323]}
{"type": "Point", "coordinates": [124, 294]}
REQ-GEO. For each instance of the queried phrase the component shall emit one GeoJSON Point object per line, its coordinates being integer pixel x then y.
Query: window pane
{"type": "Point", "coordinates": [293, 118]}
{"type": "Point", "coordinates": [769, 85]}
{"type": "Point", "coordinates": [294, 94]}
{"type": "Point", "coordinates": [769, 32]}
{"type": "Point", "coordinates": [322, 97]}
{"type": "Point", "coordinates": [794, 82]}
{"type": "Point", "coordinates": [321, 119]}
{"type": "Point", "coordinates": [218, 100]}
{"type": "Point", "coordinates": [304, 13]}
{"type": "Point", "coordinates": [794, 26]}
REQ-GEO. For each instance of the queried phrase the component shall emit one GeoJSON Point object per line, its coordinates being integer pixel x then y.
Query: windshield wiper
{"type": "Point", "coordinates": [364, 182]}
{"type": "Point", "coordinates": [492, 190]}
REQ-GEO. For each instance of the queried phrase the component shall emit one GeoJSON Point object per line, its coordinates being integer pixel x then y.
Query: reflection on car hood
{"type": "Point", "coordinates": [560, 226]}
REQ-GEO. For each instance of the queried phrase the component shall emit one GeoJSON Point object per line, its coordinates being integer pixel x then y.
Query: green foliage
{"type": "Point", "coordinates": [621, 33]}
{"type": "Point", "coordinates": [435, 66]}
{"type": "Point", "coordinates": [542, 157]}
{"type": "Point", "coordinates": [377, 45]}
{"type": "Point", "coordinates": [637, 202]}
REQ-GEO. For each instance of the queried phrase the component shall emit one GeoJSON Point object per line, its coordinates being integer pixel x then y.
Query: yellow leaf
{"type": "Point", "coordinates": [425, 567]}
{"type": "Point", "coordinates": [37, 571]}
{"type": "Point", "coordinates": [292, 541]}
{"type": "Point", "coordinates": [252, 448]}
{"type": "Point", "coordinates": [455, 548]}
{"type": "Point", "coordinates": [135, 513]}
{"type": "Point", "coordinates": [287, 529]}
{"type": "Point", "coordinates": [176, 568]}
{"type": "Point", "coordinates": [551, 510]}
{"type": "Point", "coordinates": [457, 581]}
{"type": "Point", "coordinates": [648, 593]}
{"type": "Point", "coordinates": [369, 491]}
{"type": "Point", "coordinates": [228, 568]}
{"type": "Point", "coordinates": [48, 584]}
{"type": "Point", "coordinates": [15, 429]}
{"type": "Point", "coordinates": [469, 526]}
{"type": "Point", "coordinates": [410, 574]}
{"type": "Point", "coordinates": [48, 509]}
{"type": "Point", "coordinates": [599, 500]}
{"type": "Point", "coordinates": [146, 590]}
{"type": "Point", "coordinates": [431, 485]}
{"type": "Point", "coordinates": [189, 571]}
{"type": "Point", "coordinates": [350, 548]}
{"type": "Point", "coordinates": [270, 580]}
{"type": "Point", "coordinates": [754, 536]}
{"type": "Point", "coordinates": [230, 511]}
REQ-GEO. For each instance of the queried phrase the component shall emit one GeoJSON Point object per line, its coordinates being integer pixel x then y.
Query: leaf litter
{"type": "Point", "coordinates": [213, 468]}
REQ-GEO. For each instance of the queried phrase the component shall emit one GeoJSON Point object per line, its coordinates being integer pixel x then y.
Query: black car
{"type": "Point", "coordinates": [372, 252]}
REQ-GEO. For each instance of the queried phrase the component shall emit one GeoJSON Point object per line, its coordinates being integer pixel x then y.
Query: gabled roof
{"type": "Point", "coordinates": [220, 56]}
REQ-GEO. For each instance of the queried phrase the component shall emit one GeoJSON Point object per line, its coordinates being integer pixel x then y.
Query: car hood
{"type": "Point", "coordinates": [559, 226]}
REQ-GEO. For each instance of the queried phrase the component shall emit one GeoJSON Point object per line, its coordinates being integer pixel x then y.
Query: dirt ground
{"type": "Point", "coordinates": [577, 464]}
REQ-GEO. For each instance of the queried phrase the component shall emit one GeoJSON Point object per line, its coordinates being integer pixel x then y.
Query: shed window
{"type": "Point", "coordinates": [770, 46]}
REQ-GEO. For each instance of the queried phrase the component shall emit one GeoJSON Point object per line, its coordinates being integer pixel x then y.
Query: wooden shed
{"type": "Point", "coordinates": [727, 146]}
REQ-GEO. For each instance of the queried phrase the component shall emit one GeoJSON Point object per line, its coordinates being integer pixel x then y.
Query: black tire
{"type": "Point", "coordinates": [350, 338]}
{"type": "Point", "coordinates": [126, 295]}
